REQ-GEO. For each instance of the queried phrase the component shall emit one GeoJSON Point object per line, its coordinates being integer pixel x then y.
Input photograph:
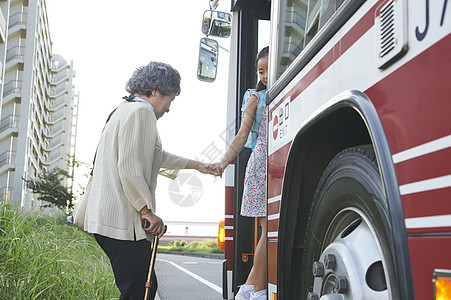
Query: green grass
{"type": "Point", "coordinates": [44, 258]}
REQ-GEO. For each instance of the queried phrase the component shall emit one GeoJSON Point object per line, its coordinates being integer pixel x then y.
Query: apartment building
{"type": "Point", "coordinates": [38, 111]}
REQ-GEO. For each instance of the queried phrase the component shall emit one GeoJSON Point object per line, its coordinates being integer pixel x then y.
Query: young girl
{"type": "Point", "coordinates": [252, 134]}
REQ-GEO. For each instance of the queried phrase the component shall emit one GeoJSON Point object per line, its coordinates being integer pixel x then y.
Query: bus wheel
{"type": "Point", "coordinates": [348, 254]}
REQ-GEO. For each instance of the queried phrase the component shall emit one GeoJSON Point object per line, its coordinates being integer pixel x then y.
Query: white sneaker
{"type": "Point", "coordinates": [244, 292]}
{"type": "Point", "coordinates": [260, 295]}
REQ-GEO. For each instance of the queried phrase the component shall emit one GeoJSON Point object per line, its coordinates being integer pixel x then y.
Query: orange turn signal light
{"type": "Point", "coordinates": [442, 284]}
{"type": "Point", "coordinates": [221, 235]}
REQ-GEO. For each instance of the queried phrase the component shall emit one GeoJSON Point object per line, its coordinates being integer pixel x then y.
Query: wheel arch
{"type": "Point", "coordinates": [350, 119]}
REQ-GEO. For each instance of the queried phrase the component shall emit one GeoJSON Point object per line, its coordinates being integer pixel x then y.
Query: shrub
{"type": "Point", "coordinates": [210, 243]}
{"type": "Point", "coordinates": [195, 245]}
{"type": "Point", "coordinates": [178, 243]}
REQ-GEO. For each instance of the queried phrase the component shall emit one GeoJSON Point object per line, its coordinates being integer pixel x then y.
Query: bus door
{"type": "Point", "coordinates": [250, 33]}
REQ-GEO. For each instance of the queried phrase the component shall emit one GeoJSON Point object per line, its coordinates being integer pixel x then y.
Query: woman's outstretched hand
{"type": "Point", "coordinates": [216, 167]}
{"type": "Point", "coordinates": [211, 169]}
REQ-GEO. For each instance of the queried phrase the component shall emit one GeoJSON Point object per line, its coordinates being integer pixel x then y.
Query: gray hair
{"type": "Point", "coordinates": [156, 76]}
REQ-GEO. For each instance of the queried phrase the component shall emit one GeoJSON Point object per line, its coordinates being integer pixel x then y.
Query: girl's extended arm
{"type": "Point", "coordinates": [241, 137]}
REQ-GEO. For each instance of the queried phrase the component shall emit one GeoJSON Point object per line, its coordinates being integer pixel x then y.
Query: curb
{"type": "Point", "coordinates": [195, 254]}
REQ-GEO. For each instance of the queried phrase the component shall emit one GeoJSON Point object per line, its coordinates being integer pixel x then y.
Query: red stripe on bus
{"type": "Point", "coordinates": [276, 169]}
{"type": "Point", "coordinates": [228, 254]}
{"type": "Point", "coordinates": [273, 225]}
{"type": "Point", "coordinates": [228, 232]}
{"type": "Point", "coordinates": [274, 207]}
{"type": "Point", "coordinates": [272, 263]}
{"type": "Point", "coordinates": [428, 203]}
{"type": "Point", "coordinates": [228, 222]}
{"type": "Point", "coordinates": [229, 196]}
{"type": "Point", "coordinates": [428, 166]}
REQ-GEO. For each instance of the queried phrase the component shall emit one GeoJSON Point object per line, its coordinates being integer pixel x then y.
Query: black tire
{"type": "Point", "coordinates": [349, 220]}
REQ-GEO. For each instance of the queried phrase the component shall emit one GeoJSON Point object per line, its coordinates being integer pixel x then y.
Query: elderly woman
{"type": "Point", "coordinates": [129, 157]}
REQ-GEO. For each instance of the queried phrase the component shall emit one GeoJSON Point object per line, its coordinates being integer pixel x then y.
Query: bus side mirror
{"type": "Point", "coordinates": [208, 60]}
{"type": "Point", "coordinates": [216, 23]}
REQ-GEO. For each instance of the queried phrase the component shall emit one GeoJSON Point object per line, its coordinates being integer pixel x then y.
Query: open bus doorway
{"type": "Point", "coordinates": [251, 32]}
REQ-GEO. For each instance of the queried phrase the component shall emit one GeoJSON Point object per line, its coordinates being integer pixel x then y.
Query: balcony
{"type": "Point", "coordinates": [16, 52]}
{"type": "Point", "coordinates": [64, 75]}
{"type": "Point", "coordinates": [17, 19]}
{"type": "Point", "coordinates": [11, 121]}
{"type": "Point", "coordinates": [59, 113]}
{"type": "Point", "coordinates": [7, 158]}
{"type": "Point", "coordinates": [55, 142]}
{"type": "Point", "coordinates": [54, 92]}
{"type": "Point", "coordinates": [55, 155]}
{"type": "Point", "coordinates": [57, 128]}
{"type": "Point", "coordinates": [12, 87]}
{"type": "Point", "coordinates": [6, 194]}
{"type": "Point", "coordinates": [59, 105]}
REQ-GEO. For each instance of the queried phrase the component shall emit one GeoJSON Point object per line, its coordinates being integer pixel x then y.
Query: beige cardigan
{"type": "Point", "coordinates": [128, 160]}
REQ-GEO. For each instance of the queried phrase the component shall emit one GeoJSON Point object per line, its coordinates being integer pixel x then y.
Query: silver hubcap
{"type": "Point", "coordinates": [351, 265]}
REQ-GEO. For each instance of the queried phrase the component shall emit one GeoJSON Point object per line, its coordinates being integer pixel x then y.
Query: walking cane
{"type": "Point", "coordinates": [146, 224]}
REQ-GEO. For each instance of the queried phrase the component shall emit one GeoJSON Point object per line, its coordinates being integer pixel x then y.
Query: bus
{"type": "Point", "coordinates": [359, 148]}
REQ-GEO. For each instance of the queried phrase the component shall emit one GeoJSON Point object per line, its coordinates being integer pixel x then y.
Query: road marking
{"type": "Point", "coordinates": [206, 282]}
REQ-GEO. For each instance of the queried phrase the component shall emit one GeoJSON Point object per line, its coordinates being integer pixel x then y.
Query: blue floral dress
{"type": "Point", "coordinates": [254, 193]}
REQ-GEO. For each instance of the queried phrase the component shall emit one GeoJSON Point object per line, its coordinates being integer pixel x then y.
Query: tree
{"type": "Point", "coordinates": [50, 188]}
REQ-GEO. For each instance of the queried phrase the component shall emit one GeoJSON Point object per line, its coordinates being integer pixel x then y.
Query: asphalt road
{"type": "Point", "coordinates": [188, 278]}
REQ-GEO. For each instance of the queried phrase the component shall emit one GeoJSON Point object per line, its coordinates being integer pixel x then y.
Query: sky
{"type": "Point", "coordinates": [107, 41]}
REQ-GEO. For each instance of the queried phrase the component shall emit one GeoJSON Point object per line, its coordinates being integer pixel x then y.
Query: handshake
{"type": "Point", "coordinates": [210, 168]}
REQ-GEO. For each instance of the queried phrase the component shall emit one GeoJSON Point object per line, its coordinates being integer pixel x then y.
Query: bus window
{"type": "Point", "coordinates": [301, 20]}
